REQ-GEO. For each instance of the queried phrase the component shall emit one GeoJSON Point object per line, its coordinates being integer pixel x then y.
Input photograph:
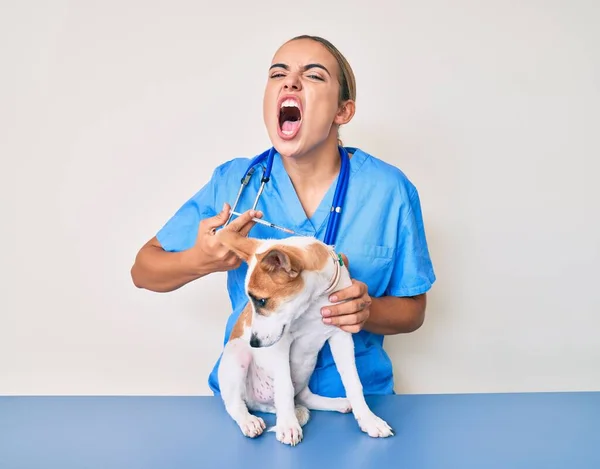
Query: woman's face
{"type": "Point", "coordinates": [301, 102]}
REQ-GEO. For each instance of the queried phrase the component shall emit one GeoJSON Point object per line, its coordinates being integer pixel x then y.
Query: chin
{"type": "Point", "coordinates": [288, 148]}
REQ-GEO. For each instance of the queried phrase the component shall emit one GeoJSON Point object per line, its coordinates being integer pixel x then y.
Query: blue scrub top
{"type": "Point", "coordinates": [381, 232]}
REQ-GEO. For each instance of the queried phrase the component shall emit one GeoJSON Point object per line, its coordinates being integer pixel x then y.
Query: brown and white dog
{"type": "Point", "coordinates": [272, 350]}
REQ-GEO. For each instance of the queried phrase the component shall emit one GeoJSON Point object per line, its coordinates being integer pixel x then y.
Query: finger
{"type": "Point", "coordinates": [355, 290]}
{"type": "Point", "coordinates": [244, 221]}
{"type": "Point", "coordinates": [232, 261]}
{"type": "Point", "coordinates": [218, 220]}
{"type": "Point", "coordinates": [344, 309]}
{"type": "Point", "coordinates": [244, 230]}
{"type": "Point", "coordinates": [352, 329]}
{"type": "Point", "coordinates": [347, 319]}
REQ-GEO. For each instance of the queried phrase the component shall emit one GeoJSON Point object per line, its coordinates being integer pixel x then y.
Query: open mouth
{"type": "Point", "coordinates": [290, 117]}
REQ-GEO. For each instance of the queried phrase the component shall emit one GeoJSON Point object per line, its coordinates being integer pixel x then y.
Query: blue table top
{"type": "Point", "coordinates": [485, 431]}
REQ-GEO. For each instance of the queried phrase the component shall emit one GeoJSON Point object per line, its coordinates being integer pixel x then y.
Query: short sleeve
{"type": "Point", "coordinates": [181, 230]}
{"type": "Point", "coordinates": [412, 272]}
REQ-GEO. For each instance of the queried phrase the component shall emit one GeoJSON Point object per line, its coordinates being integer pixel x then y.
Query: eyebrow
{"type": "Point", "coordinates": [306, 67]}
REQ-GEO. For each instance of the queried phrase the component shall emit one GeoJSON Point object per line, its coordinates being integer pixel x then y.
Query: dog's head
{"type": "Point", "coordinates": [284, 278]}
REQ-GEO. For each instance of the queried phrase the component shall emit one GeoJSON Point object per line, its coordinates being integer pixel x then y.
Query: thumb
{"type": "Point", "coordinates": [219, 219]}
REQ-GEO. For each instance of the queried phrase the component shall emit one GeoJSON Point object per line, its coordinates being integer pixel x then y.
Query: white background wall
{"type": "Point", "coordinates": [113, 113]}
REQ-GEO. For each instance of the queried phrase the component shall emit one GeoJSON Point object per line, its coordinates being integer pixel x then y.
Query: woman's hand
{"type": "Point", "coordinates": [211, 254]}
{"type": "Point", "coordinates": [353, 313]}
{"type": "Point", "coordinates": [158, 270]}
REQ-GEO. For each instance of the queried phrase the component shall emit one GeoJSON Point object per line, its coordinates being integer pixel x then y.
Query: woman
{"type": "Point", "coordinates": [310, 93]}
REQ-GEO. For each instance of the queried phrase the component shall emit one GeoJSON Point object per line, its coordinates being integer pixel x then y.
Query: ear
{"type": "Point", "coordinates": [277, 260]}
{"type": "Point", "coordinates": [345, 112]}
{"type": "Point", "coordinates": [242, 246]}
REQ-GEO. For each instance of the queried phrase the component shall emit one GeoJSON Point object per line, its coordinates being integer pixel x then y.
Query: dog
{"type": "Point", "coordinates": [272, 350]}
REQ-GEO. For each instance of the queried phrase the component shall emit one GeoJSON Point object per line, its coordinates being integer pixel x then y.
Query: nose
{"type": "Point", "coordinates": [292, 82]}
{"type": "Point", "coordinates": [255, 341]}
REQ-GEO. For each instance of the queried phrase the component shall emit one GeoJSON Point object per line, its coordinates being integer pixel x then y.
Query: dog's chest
{"type": "Point", "coordinates": [259, 384]}
{"type": "Point", "coordinates": [308, 341]}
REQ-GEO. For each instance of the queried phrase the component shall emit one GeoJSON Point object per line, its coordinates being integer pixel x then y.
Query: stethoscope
{"type": "Point", "coordinates": [338, 197]}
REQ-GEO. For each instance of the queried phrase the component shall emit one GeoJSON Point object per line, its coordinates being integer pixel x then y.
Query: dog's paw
{"type": "Point", "coordinates": [302, 414]}
{"type": "Point", "coordinates": [341, 404]}
{"type": "Point", "coordinates": [252, 426]}
{"type": "Point", "coordinates": [374, 426]}
{"type": "Point", "coordinates": [289, 432]}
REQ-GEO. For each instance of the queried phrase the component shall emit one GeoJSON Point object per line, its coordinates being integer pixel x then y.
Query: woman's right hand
{"type": "Point", "coordinates": [158, 270]}
{"type": "Point", "coordinates": [211, 254]}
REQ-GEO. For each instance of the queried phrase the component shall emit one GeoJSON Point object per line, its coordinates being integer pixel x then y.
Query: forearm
{"type": "Point", "coordinates": [161, 271]}
{"type": "Point", "coordinates": [392, 315]}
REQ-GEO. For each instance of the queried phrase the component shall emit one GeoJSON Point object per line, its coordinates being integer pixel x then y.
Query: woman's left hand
{"type": "Point", "coordinates": [352, 314]}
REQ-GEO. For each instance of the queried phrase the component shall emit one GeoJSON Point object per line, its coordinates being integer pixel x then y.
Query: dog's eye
{"type": "Point", "coordinates": [259, 302]}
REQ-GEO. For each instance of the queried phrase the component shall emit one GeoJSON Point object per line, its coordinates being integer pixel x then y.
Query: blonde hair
{"type": "Point", "coordinates": [346, 77]}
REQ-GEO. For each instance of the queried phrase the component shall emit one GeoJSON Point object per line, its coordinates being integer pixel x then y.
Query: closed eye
{"type": "Point", "coordinates": [312, 77]}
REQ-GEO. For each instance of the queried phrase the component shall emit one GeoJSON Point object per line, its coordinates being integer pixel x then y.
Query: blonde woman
{"type": "Point", "coordinates": [310, 93]}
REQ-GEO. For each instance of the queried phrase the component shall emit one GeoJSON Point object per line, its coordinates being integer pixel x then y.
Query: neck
{"type": "Point", "coordinates": [313, 172]}
{"type": "Point", "coordinates": [315, 168]}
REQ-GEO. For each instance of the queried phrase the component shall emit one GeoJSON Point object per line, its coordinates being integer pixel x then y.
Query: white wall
{"type": "Point", "coordinates": [113, 113]}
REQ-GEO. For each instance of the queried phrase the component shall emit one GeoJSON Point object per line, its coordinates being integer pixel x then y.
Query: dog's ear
{"type": "Point", "coordinates": [242, 246]}
{"type": "Point", "coordinates": [281, 260]}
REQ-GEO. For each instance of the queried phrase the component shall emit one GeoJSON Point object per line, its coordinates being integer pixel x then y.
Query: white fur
{"type": "Point", "coordinates": [275, 378]}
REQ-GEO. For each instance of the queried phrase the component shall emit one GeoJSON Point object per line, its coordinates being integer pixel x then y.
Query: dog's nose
{"type": "Point", "coordinates": [254, 341]}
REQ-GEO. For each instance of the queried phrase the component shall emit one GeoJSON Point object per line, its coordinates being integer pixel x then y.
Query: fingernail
{"type": "Point", "coordinates": [333, 298]}
{"type": "Point", "coordinates": [224, 205]}
{"type": "Point", "coordinates": [325, 312]}
{"type": "Point", "coordinates": [252, 213]}
{"type": "Point", "coordinates": [327, 320]}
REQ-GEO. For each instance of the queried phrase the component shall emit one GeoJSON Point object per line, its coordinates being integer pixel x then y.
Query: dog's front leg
{"type": "Point", "coordinates": [342, 350]}
{"type": "Point", "coordinates": [288, 428]}
{"type": "Point", "coordinates": [232, 372]}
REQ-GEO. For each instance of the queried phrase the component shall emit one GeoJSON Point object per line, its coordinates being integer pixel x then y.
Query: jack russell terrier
{"type": "Point", "coordinates": [272, 349]}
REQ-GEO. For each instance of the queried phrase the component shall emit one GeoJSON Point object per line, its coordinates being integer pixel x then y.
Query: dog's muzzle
{"type": "Point", "coordinates": [257, 342]}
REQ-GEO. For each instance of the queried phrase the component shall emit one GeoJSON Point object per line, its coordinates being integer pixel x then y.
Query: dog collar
{"type": "Point", "coordinates": [338, 262]}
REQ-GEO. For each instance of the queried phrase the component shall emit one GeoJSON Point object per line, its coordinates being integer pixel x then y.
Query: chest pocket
{"type": "Point", "coordinates": [371, 264]}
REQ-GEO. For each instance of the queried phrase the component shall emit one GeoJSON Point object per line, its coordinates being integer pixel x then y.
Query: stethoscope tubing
{"type": "Point", "coordinates": [338, 198]}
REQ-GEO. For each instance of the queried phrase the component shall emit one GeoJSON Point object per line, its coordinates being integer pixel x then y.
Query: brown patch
{"type": "Point", "coordinates": [277, 275]}
{"type": "Point", "coordinates": [243, 321]}
{"type": "Point", "coordinates": [316, 257]}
